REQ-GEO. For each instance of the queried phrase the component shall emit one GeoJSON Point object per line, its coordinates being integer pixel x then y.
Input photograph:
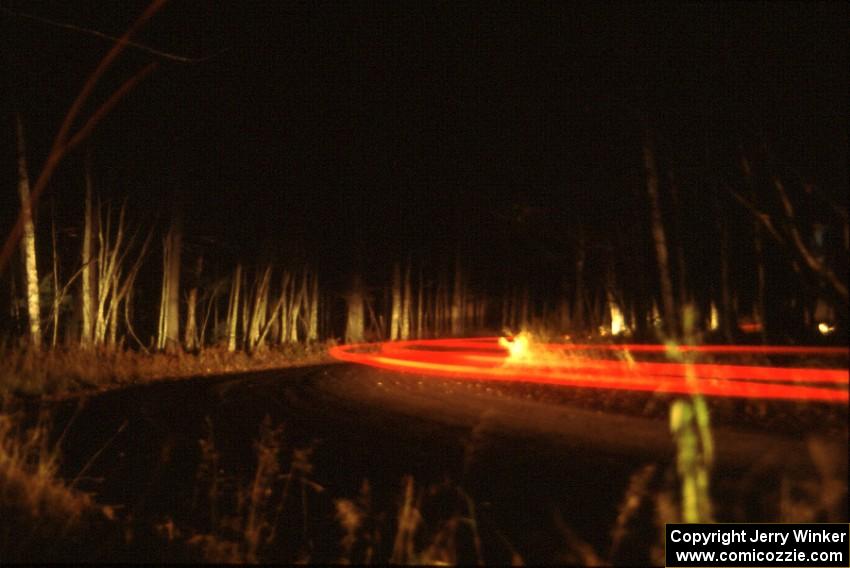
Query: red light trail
{"type": "Point", "coordinates": [576, 365]}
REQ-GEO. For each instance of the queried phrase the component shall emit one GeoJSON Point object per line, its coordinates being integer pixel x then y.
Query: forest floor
{"type": "Point", "coordinates": [58, 372]}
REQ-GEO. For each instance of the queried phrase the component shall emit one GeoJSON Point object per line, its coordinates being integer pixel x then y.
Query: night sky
{"type": "Point", "coordinates": [341, 134]}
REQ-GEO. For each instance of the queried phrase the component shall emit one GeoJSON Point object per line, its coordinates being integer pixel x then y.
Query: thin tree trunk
{"type": "Point", "coordinates": [172, 332]}
{"type": "Point", "coordinates": [261, 294]}
{"type": "Point", "coordinates": [405, 305]}
{"type": "Point", "coordinates": [233, 309]}
{"type": "Point", "coordinates": [457, 300]}
{"type": "Point", "coordinates": [87, 261]}
{"type": "Point", "coordinates": [579, 319]}
{"type": "Point", "coordinates": [758, 249]}
{"type": "Point", "coordinates": [28, 250]}
{"type": "Point", "coordinates": [725, 316]}
{"type": "Point", "coordinates": [679, 246]}
{"type": "Point", "coordinates": [524, 309]}
{"type": "Point", "coordinates": [169, 328]}
{"type": "Point", "coordinates": [438, 305]}
{"type": "Point", "coordinates": [57, 296]}
{"type": "Point", "coordinates": [313, 319]}
{"type": "Point", "coordinates": [659, 237]}
{"type": "Point", "coordinates": [395, 315]}
{"type": "Point", "coordinates": [246, 311]}
{"type": "Point", "coordinates": [285, 282]}
{"type": "Point", "coordinates": [112, 315]}
{"type": "Point", "coordinates": [295, 308]}
{"type": "Point", "coordinates": [190, 336]}
{"type": "Point", "coordinates": [355, 320]}
{"type": "Point", "coordinates": [420, 312]}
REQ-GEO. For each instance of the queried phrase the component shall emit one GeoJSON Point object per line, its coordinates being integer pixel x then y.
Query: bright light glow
{"type": "Point", "coordinates": [618, 323]}
{"type": "Point", "coordinates": [500, 359]}
{"type": "Point", "coordinates": [825, 329]}
{"type": "Point", "coordinates": [517, 346]}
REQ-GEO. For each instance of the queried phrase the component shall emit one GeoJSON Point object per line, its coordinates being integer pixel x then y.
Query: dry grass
{"type": "Point", "coordinates": [246, 526]}
{"type": "Point", "coordinates": [37, 509]}
{"type": "Point", "coordinates": [34, 372]}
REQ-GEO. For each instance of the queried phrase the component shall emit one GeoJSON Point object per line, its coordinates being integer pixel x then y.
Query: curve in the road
{"type": "Point", "coordinates": [583, 365]}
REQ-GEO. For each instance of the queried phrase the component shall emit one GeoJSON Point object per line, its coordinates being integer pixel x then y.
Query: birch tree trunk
{"type": "Point", "coordinates": [233, 309]}
{"type": "Point", "coordinates": [172, 320]}
{"type": "Point", "coordinates": [87, 260]}
{"type": "Point", "coordinates": [659, 236]}
{"type": "Point", "coordinates": [28, 252]}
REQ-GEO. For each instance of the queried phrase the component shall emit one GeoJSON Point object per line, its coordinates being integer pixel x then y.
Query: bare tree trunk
{"type": "Point", "coordinates": [285, 283]}
{"type": "Point", "coordinates": [87, 260]}
{"type": "Point", "coordinates": [481, 313]}
{"type": "Point", "coordinates": [246, 311]}
{"type": "Point", "coordinates": [457, 299]}
{"type": "Point", "coordinates": [28, 251]}
{"type": "Point", "coordinates": [405, 306]}
{"type": "Point", "coordinates": [57, 296]}
{"type": "Point", "coordinates": [439, 303]}
{"type": "Point", "coordinates": [233, 309]}
{"type": "Point", "coordinates": [104, 270]}
{"type": "Point", "coordinates": [726, 314]}
{"type": "Point", "coordinates": [679, 247]}
{"type": "Point", "coordinates": [190, 336]}
{"type": "Point", "coordinates": [313, 318]}
{"type": "Point", "coordinates": [758, 248]}
{"type": "Point", "coordinates": [355, 320]}
{"type": "Point", "coordinates": [420, 312]}
{"type": "Point", "coordinates": [261, 294]}
{"type": "Point", "coordinates": [564, 321]}
{"type": "Point", "coordinates": [297, 299]}
{"type": "Point", "coordinates": [524, 309]}
{"type": "Point", "coordinates": [579, 319]}
{"type": "Point", "coordinates": [395, 315]}
{"type": "Point", "coordinates": [172, 331]}
{"type": "Point", "coordinates": [659, 237]}
{"type": "Point", "coordinates": [169, 317]}
{"type": "Point", "coordinates": [112, 315]}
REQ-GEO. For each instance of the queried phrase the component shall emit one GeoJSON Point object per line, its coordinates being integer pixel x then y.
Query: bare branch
{"type": "Point", "coordinates": [106, 107]}
{"type": "Point", "coordinates": [806, 255]}
{"type": "Point", "coordinates": [60, 142]}
{"type": "Point", "coordinates": [761, 216]}
{"type": "Point", "coordinates": [135, 45]}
